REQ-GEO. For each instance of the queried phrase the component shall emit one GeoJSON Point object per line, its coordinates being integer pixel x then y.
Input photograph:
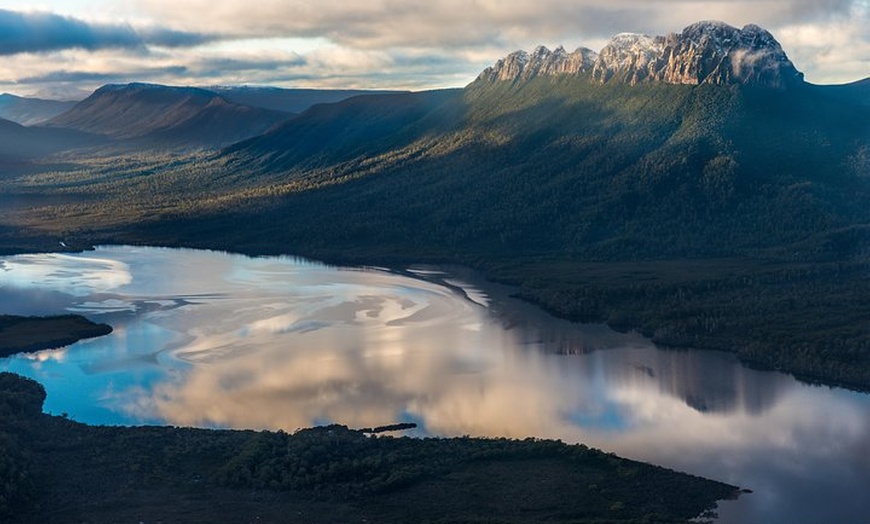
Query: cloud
{"type": "Point", "coordinates": [219, 65]}
{"type": "Point", "coordinates": [64, 76]}
{"type": "Point", "coordinates": [163, 37]}
{"type": "Point", "coordinates": [836, 50]}
{"type": "Point", "coordinates": [459, 23]}
{"type": "Point", "coordinates": [39, 32]}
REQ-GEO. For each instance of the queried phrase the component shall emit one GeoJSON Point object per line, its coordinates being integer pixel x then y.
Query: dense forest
{"type": "Point", "coordinates": [55, 470]}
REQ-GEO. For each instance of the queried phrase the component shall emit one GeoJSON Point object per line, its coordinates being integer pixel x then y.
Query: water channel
{"type": "Point", "coordinates": [219, 340]}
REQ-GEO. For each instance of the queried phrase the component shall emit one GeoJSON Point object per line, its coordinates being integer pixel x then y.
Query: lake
{"type": "Point", "coordinates": [219, 340]}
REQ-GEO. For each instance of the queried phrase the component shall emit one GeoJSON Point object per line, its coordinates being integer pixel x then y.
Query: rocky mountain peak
{"type": "Point", "coordinates": [628, 56]}
{"type": "Point", "coordinates": [717, 53]}
{"type": "Point", "coordinates": [708, 52]}
{"type": "Point", "coordinates": [521, 65]}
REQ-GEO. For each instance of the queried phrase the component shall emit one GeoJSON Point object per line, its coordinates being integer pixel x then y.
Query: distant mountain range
{"type": "Point", "coordinates": [166, 116]}
{"type": "Point", "coordinates": [30, 111]}
{"type": "Point", "coordinates": [708, 118]}
{"type": "Point", "coordinates": [21, 144]}
{"type": "Point", "coordinates": [150, 115]}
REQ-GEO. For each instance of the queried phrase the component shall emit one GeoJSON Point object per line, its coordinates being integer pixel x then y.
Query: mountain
{"type": "Point", "coordinates": [287, 100]}
{"type": "Point", "coordinates": [20, 143]}
{"type": "Point", "coordinates": [564, 165]}
{"type": "Point", "coordinates": [539, 155]}
{"type": "Point", "coordinates": [699, 158]}
{"type": "Point", "coordinates": [521, 65]}
{"type": "Point", "coordinates": [702, 53]}
{"type": "Point", "coordinates": [29, 111]}
{"type": "Point", "coordinates": [166, 116]}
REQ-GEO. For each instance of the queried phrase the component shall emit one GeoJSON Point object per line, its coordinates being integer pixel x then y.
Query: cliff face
{"type": "Point", "coordinates": [703, 53]}
{"type": "Point", "coordinates": [541, 62]}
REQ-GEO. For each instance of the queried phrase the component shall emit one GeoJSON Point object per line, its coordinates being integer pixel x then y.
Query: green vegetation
{"type": "Point", "coordinates": [27, 334]}
{"type": "Point", "coordinates": [56, 470]}
{"type": "Point", "coordinates": [705, 216]}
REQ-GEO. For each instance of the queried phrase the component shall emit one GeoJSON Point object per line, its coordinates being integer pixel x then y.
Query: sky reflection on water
{"type": "Point", "coordinates": [217, 340]}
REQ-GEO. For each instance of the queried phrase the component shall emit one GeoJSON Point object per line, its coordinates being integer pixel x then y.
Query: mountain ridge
{"type": "Point", "coordinates": [153, 114]}
{"type": "Point", "coordinates": [30, 110]}
{"type": "Point", "coordinates": [707, 52]}
{"type": "Point", "coordinates": [21, 144]}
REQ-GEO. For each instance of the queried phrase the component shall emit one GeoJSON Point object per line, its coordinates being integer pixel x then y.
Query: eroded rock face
{"type": "Point", "coordinates": [716, 53]}
{"type": "Point", "coordinates": [703, 53]}
{"type": "Point", "coordinates": [521, 65]}
{"type": "Point", "coordinates": [629, 58]}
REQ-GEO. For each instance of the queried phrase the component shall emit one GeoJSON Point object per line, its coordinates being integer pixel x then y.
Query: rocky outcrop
{"type": "Point", "coordinates": [541, 62]}
{"type": "Point", "coordinates": [629, 58]}
{"type": "Point", "coordinates": [703, 53]}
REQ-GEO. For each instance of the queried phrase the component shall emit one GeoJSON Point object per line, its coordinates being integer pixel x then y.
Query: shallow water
{"type": "Point", "coordinates": [211, 339]}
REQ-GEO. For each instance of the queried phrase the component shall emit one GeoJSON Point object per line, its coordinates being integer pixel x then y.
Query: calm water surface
{"type": "Point", "coordinates": [217, 340]}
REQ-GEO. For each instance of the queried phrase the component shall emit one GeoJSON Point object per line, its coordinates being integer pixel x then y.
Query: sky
{"type": "Point", "coordinates": [52, 47]}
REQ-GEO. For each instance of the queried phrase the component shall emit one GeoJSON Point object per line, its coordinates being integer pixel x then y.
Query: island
{"type": "Point", "coordinates": [28, 334]}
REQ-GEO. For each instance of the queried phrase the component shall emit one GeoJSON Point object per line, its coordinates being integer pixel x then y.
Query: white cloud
{"type": "Point", "coordinates": [835, 50]}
